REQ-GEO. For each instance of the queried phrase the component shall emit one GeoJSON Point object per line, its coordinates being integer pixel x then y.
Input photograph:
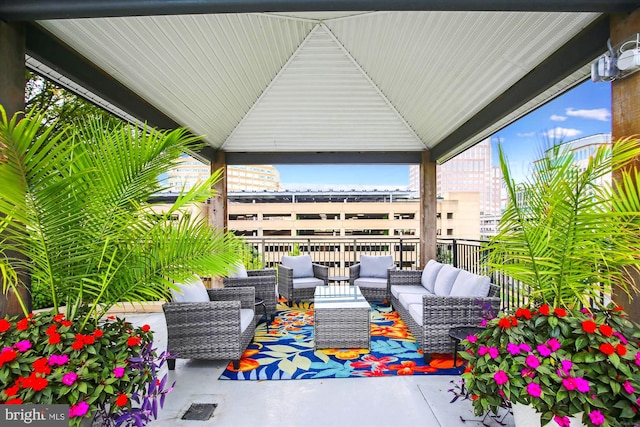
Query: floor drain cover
{"type": "Point", "coordinates": [200, 411]}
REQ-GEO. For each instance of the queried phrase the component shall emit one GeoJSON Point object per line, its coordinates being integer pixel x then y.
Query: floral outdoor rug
{"type": "Point", "coordinates": [286, 351]}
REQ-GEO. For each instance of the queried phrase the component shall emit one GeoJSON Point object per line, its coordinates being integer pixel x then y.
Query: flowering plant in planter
{"type": "Point", "coordinates": [560, 361]}
{"type": "Point", "coordinates": [109, 371]}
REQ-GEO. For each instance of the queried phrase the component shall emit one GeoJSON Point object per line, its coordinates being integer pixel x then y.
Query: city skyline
{"type": "Point", "coordinates": [583, 111]}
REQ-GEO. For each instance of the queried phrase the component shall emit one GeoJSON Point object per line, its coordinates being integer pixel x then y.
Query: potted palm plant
{"type": "Point", "coordinates": [569, 239]}
{"type": "Point", "coordinates": [75, 216]}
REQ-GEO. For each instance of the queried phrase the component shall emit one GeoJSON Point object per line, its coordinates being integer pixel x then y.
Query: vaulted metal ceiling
{"type": "Point", "coordinates": [326, 82]}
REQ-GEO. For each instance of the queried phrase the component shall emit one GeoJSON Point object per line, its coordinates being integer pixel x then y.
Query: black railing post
{"type": "Point", "coordinates": [401, 260]}
{"type": "Point", "coordinates": [454, 253]}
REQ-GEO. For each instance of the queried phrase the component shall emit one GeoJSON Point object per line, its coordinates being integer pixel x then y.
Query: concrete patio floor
{"type": "Point", "coordinates": [368, 402]}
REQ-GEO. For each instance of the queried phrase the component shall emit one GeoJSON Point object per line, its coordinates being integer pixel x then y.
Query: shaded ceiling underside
{"type": "Point", "coordinates": [263, 85]}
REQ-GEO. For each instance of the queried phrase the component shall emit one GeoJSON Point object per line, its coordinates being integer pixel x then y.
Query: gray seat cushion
{"type": "Point", "coordinates": [444, 282]}
{"type": "Point", "coordinates": [307, 282]}
{"type": "Point", "coordinates": [192, 291]}
{"type": "Point", "coordinates": [246, 316]}
{"type": "Point", "coordinates": [415, 311]}
{"type": "Point", "coordinates": [470, 285]}
{"type": "Point", "coordinates": [375, 266]}
{"type": "Point", "coordinates": [406, 299]}
{"type": "Point", "coordinates": [396, 290]}
{"type": "Point", "coordinates": [301, 265]}
{"type": "Point", "coordinates": [240, 271]}
{"type": "Point", "coordinates": [429, 274]}
{"type": "Point", "coordinates": [371, 282]}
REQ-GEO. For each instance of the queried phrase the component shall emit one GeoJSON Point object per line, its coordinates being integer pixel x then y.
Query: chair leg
{"type": "Point", "coordinates": [236, 364]}
{"type": "Point", "coordinates": [171, 364]}
{"type": "Point", "coordinates": [427, 358]}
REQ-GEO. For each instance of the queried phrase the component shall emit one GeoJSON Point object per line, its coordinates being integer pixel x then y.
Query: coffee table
{"type": "Point", "coordinates": [342, 317]}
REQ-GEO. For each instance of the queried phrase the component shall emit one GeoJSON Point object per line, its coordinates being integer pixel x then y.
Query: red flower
{"type": "Point", "coordinates": [98, 333]}
{"type": "Point", "coordinates": [145, 328]}
{"type": "Point", "coordinates": [54, 339]}
{"type": "Point", "coordinates": [41, 366]}
{"type": "Point", "coordinates": [77, 345]}
{"type": "Point", "coordinates": [23, 324]}
{"type": "Point", "coordinates": [122, 400]}
{"type": "Point", "coordinates": [607, 348]}
{"type": "Point", "coordinates": [4, 325]}
{"type": "Point", "coordinates": [58, 317]}
{"type": "Point", "coordinates": [7, 356]}
{"type": "Point", "coordinates": [514, 321]}
{"type": "Point", "coordinates": [39, 384]}
{"type": "Point", "coordinates": [621, 350]}
{"type": "Point", "coordinates": [560, 312]}
{"type": "Point", "coordinates": [544, 309]}
{"type": "Point", "coordinates": [66, 323]}
{"type": "Point", "coordinates": [504, 323]}
{"type": "Point", "coordinates": [16, 401]}
{"type": "Point", "coordinates": [523, 312]}
{"type": "Point", "coordinates": [51, 330]}
{"type": "Point", "coordinates": [589, 326]}
{"type": "Point", "coordinates": [88, 339]}
{"type": "Point", "coordinates": [606, 330]}
{"type": "Point", "coordinates": [11, 391]}
{"type": "Point", "coordinates": [132, 341]}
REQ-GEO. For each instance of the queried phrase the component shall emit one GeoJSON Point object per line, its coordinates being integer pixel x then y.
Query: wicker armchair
{"type": "Point", "coordinates": [263, 281]}
{"type": "Point", "coordinates": [440, 313]}
{"type": "Point", "coordinates": [294, 287]}
{"type": "Point", "coordinates": [373, 287]}
{"type": "Point", "coordinates": [211, 330]}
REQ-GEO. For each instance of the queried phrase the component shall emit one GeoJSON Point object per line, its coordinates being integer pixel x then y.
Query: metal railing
{"type": "Point", "coordinates": [339, 253]}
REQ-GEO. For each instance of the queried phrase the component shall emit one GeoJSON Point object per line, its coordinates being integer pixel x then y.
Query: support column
{"type": "Point", "coordinates": [428, 206]}
{"type": "Point", "coordinates": [625, 122]}
{"type": "Point", "coordinates": [12, 79]}
{"type": "Point", "coordinates": [218, 213]}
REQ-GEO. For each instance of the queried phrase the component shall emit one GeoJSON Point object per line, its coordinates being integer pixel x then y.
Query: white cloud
{"type": "Point", "coordinates": [526, 134]}
{"type": "Point", "coordinates": [498, 139]}
{"type": "Point", "coordinates": [557, 118]}
{"type": "Point", "coordinates": [601, 114]}
{"type": "Point", "coordinates": [561, 133]}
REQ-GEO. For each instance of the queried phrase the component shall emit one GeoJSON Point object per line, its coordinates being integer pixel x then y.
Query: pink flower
{"type": "Point", "coordinates": [484, 322]}
{"type": "Point", "coordinates": [501, 377]}
{"type": "Point", "coordinates": [79, 410]}
{"type": "Point", "coordinates": [554, 344]}
{"type": "Point", "coordinates": [569, 384]}
{"type": "Point", "coordinates": [562, 421]}
{"type": "Point", "coordinates": [566, 366]}
{"type": "Point", "coordinates": [22, 346]}
{"type": "Point", "coordinates": [582, 385]}
{"type": "Point", "coordinates": [513, 348]}
{"type": "Point", "coordinates": [532, 361]}
{"type": "Point", "coordinates": [493, 352]}
{"type": "Point", "coordinates": [482, 350]}
{"type": "Point", "coordinates": [544, 350]}
{"type": "Point", "coordinates": [525, 347]}
{"type": "Point", "coordinates": [628, 387]}
{"type": "Point", "coordinates": [621, 337]}
{"type": "Point", "coordinates": [118, 372]}
{"type": "Point", "coordinates": [69, 378]}
{"type": "Point", "coordinates": [528, 372]}
{"type": "Point", "coordinates": [472, 338]}
{"type": "Point", "coordinates": [638, 358]}
{"type": "Point", "coordinates": [534, 389]}
{"type": "Point", "coordinates": [597, 418]}
{"type": "Point", "coordinates": [58, 359]}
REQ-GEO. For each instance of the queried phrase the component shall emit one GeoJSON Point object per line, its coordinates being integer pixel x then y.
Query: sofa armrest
{"type": "Point", "coordinates": [262, 273]}
{"type": "Point", "coordinates": [404, 277]}
{"type": "Point", "coordinates": [449, 311]}
{"type": "Point", "coordinates": [321, 272]}
{"type": "Point", "coordinates": [354, 273]}
{"type": "Point", "coordinates": [246, 295]}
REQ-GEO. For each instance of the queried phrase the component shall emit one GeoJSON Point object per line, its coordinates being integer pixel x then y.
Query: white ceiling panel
{"type": "Point", "coordinates": [326, 81]}
{"type": "Point", "coordinates": [322, 101]}
{"type": "Point", "coordinates": [440, 68]}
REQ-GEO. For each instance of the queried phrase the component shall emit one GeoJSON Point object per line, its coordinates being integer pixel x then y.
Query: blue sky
{"type": "Point", "coordinates": [583, 111]}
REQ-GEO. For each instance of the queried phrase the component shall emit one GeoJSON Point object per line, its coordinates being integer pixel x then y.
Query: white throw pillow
{"type": "Point", "coordinates": [470, 285]}
{"type": "Point", "coordinates": [444, 281]}
{"type": "Point", "coordinates": [301, 265]}
{"type": "Point", "coordinates": [429, 275]}
{"type": "Point", "coordinates": [375, 266]}
{"type": "Point", "coordinates": [240, 272]}
{"type": "Point", "coordinates": [193, 291]}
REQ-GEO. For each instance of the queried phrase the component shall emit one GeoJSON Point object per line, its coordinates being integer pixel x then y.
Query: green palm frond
{"type": "Point", "coordinates": [566, 235]}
